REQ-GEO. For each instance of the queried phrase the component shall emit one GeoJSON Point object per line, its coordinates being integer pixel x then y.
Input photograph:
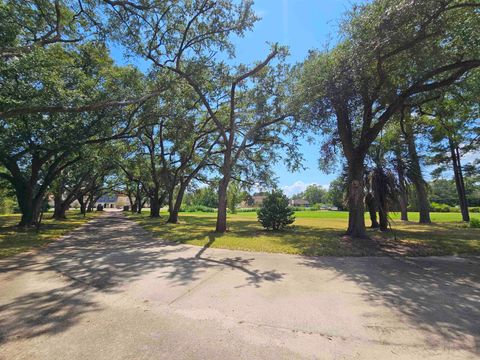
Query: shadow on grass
{"type": "Point", "coordinates": [255, 277]}
{"type": "Point", "coordinates": [312, 237]}
{"type": "Point", "coordinates": [439, 296]}
{"type": "Point", "coordinates": [434, 239]}
{"type": "Point", "coordinates": [244, 232]}
{"type": "Point", "coordinates": [14, 240]}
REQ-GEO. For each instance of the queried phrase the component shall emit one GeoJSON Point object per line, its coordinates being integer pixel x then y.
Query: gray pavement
{"type": "Point", "coordinates": [110, 291]}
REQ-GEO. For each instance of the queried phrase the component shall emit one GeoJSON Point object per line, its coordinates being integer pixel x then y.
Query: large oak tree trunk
{"type": "Point", "coordinates": [29, 200]}
{"type": "Point", "coordinates": [83, 205]}
{"type": "Point", "coordinates": [131, 201]}
{"type": "Point", "coordinates": [139, 202]}
{"type": "Point", "coordinates": [465, 213]}
{"type": "Point", "coordinates": [170, 203]}
{"type": "Point", "coordinates": [29, 204]}
{"type": "Point", "coordinates": [222, 205]}
{"type": "Point", "coordinates": [459, 183]}
{"type": "Point", "coordinates": [30, 213]}
{"type": "Point", "coordinates": [416, 176]}
{"type": "Point", "coordinates": [356, 195]}
{"type": "Point", "coordinates": [221, 226]}
{"type": "Point", "coordinates": [402, 184]}
{"type": "Point", "coordinates": [173, 218]}
{"type": "Point", "coordinates": [156, 203]}
{"type": "Point", "coordinates": [423, 202]}
{"type": "Point", "coordinates": [154, 207]}
{"type": "Point", "coordinates": [29, 217]}
{"type": "Point", "coordinates": [90, 203]}
{"type": "Point", "coordinates": [60, 213]}
{"type": "Point", "coordinates": [60, 207]}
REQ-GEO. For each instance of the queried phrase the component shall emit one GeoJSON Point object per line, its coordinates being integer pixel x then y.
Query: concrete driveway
{"type": "Point", "coordinates": [110, 291]}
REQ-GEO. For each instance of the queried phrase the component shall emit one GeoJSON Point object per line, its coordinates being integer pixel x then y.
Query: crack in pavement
{"type": "Point", "coordinates": [189, 291]}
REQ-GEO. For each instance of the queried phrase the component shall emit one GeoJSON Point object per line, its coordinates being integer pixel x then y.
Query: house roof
{"type": "Point", "coordinates": [300, 201]}
{"type": "Point", "coordinates": [258, 197]}
{"type": "Point", "coordinates": [107, 199]}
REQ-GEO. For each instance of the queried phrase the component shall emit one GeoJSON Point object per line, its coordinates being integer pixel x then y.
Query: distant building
{"type": "Point", "coordinates": [253, 201]}
{"type": "Point", "coordinates": [299, 202]}
{"type": "Point", "coordinates": [258, 200]}
{"type": "Point", "coordinates": [113, 201]}
{"type": "Point", "coordinates": [326, 207]}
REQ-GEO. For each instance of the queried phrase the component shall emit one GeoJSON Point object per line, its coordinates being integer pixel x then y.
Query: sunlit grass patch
{"type": "Point", "coordinates": [14, 240]}
{"type": "Point", "coordinates": [318, 233]}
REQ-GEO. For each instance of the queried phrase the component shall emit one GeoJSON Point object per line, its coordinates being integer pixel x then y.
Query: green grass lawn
{"type": "Point", "coordinates": [320, 233]}
{"type": "Point", "coordinates": [14, 240]}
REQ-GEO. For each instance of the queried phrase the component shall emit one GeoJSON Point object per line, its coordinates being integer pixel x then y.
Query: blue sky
{"type": "Point", "coordinates": [301, 25]}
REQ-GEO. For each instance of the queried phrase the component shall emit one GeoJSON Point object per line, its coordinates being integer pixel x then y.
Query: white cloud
{"type": "Point", "coordinates": [261, 13]}
{"type": "Point", "coordinates": [470, 157]}
{"type": "Point", "coordinates": [298, 187]}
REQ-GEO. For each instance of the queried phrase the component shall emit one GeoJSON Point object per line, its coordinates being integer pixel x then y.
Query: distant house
{"type": "Point", "coordinates": [253, 201]}
{"type": "Point", "coordinates": [326, 207]}
{"type": "Point", "coordinates": [299, 202]}
{"type": "Point", "coordinates": [114, 201]}
{"type": "Point", "coordinates": [258, 200]}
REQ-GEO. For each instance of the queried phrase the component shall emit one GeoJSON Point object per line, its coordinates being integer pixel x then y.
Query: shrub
{"type": "Point", "coordinates": [475, 209]}
{"type": "Point", "coordinates": [475, 223]}
{"type": "Point", "coordinates": [197, 208]}
{"type": "Point", "coordinates": [275, 213]}
{"type": "Point", "coordinates": [244, 210]}
{"type": "Point", "coordinates": [8, 205]}
{"type": "Point", "coordinates": [436, 207]}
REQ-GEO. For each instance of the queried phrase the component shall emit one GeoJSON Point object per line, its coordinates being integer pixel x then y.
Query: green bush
{"type": "Point", "coordinates": [436, 207]}
{"type": "Point", "coordinates": [275, 213]}
{"type": "Point", "coordinates": [475, 223]}
{"type": "Point", "coordinates": [8, 205]}
{"type": "Point", "coordinates": [475, 209]}
{"type": "Point", "coordinates": [244, 210]}
{"type": "Point", "coordinates": [197, 208]}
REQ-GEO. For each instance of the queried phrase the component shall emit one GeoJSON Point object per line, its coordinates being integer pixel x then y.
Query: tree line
{"type": "Point", "coordinates": [403, 77]}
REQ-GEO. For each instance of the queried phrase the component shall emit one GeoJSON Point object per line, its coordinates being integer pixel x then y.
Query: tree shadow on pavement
{"type": "Point", "coordinates": [255, 277]}
{"type": "Point", "coordinates": [101, 257]}
{"type": "Point", "coordinates": [438, 295]}
{"type": "Point", "coordinates": [44, 312]}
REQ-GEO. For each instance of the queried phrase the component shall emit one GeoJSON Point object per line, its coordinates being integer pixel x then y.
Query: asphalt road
{"type": "Point", "coordinates": [110, 291]}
